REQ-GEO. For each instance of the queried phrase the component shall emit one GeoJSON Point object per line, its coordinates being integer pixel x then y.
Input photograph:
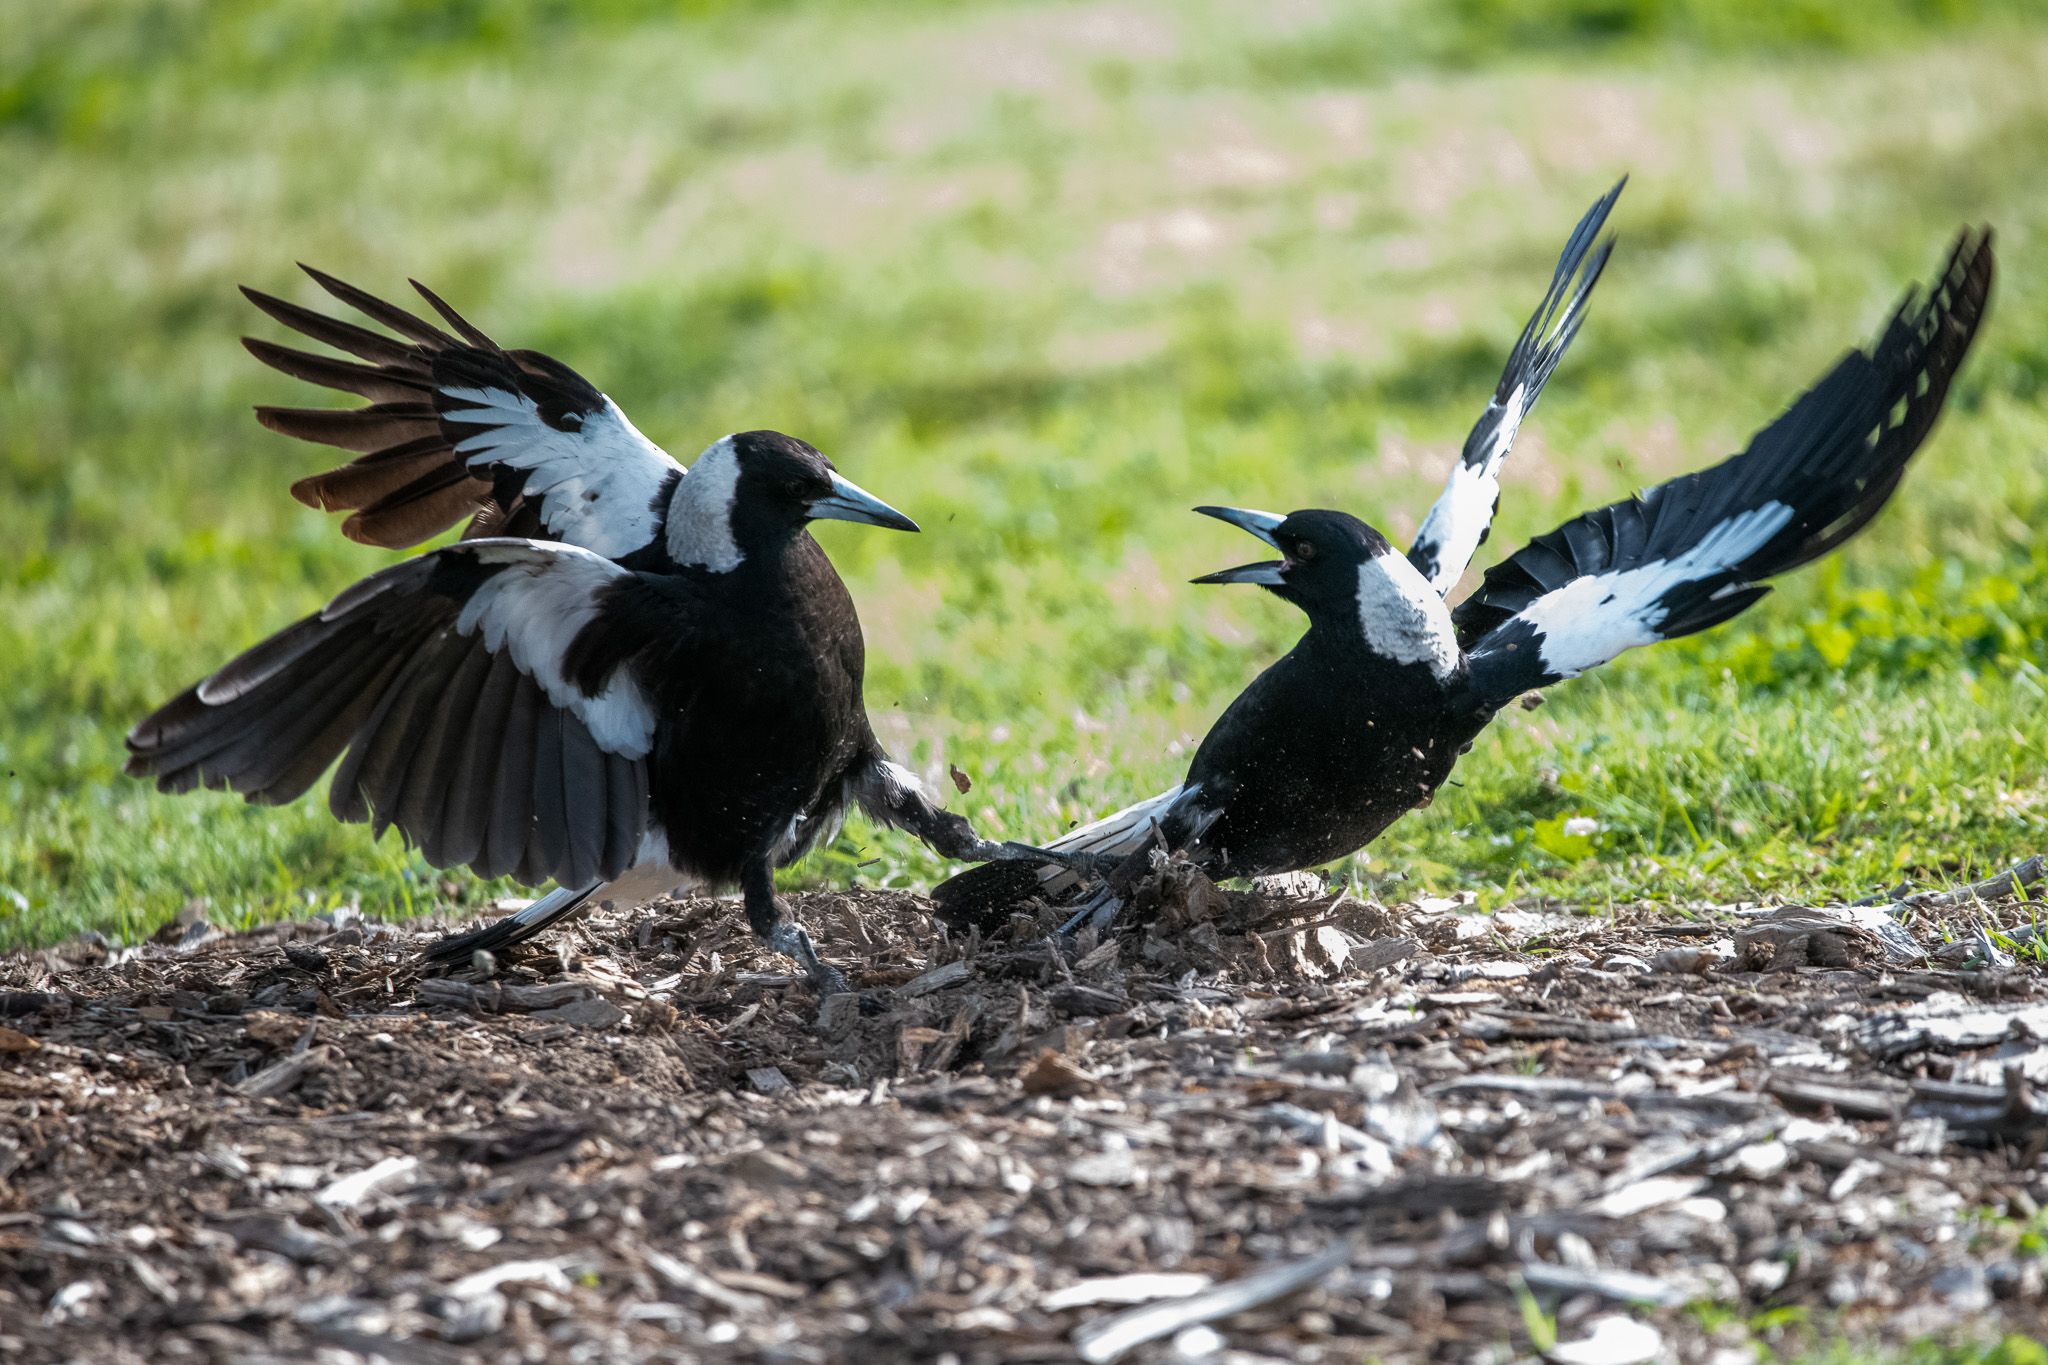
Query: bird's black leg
{"type": "Point", "coordinates": [893, 796]}
{"type": "Point", "coordinates": [948, 833]}
{"type": "Point", "coordinates": [775, 926]}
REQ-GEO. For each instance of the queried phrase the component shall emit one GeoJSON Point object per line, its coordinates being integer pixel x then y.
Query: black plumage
{"type": "Point", "coordinates": [1365, 717]}
{"type": "Point", "coordinates": [666, 691]}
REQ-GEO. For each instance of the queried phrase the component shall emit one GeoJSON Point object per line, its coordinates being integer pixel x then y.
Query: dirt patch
{"type": "Point", "coordinates": [1288, 1129]}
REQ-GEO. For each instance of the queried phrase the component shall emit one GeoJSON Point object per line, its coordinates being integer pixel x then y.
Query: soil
{"type": "Point", "coordinates": [1256, 1128]}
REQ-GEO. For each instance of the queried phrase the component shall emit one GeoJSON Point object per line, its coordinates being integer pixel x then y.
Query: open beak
{"type": "Point", "coordinates": [848, 501]}
{"type": "Point", "coordinates": [1265, 574]}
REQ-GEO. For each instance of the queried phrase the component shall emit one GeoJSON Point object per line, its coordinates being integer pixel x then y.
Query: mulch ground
{"type": "Point", "coordinates": [1260, 1128]}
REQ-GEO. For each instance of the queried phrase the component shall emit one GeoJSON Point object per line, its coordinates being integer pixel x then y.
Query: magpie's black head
{"type": "Point", "coordinates": [1323, 552]}
{"type": "Point", "coordinates": [752, 492]}
{"type": "Point", "coordinates": [780, 483]}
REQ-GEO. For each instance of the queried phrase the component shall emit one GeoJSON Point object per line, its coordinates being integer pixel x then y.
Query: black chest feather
{"type": "Point", "coordinates": [759, 712]}
{"type": "Point", "coordinates": [1319, 755]}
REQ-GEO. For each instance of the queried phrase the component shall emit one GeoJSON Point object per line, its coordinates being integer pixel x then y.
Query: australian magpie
{"type": "Point", "coordinates": [1364, 718]}
{"type": "Point", "coordinates": [626, 677]}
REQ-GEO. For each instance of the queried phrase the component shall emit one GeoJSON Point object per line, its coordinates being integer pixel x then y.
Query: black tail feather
{"type": "Point", "coordinates": [516, 928]}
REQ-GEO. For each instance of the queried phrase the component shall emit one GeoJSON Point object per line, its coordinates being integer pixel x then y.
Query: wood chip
{"type": "Point", "coordinates": [1051, 1073]}
{"type": "Point", "coordinates": [937, 979]}
{"type": "Point", "coordinates": [351, 1191]}
{"type": "Point", "coordinates": [1622, 1286]}
{"type": "Point", "coordinates": [1107, 1339]}
{"type": "Point", "coordinates": [1610, 1340]}
{"type": "Point", "coordinates": [589, 1011]}
{"type": "Point", "coordinates": [688, 1279]}
{"type": "Point", "coordinates": [283, 1076]}
{"type": "Point", "coordinates": [272, 1029]}
{"type": "Point", "coordinates": [551, 1274]}
{"type": "Point", "coordinates": [769, 1080]}
{"type": "Point", "coordinates": [1136, 1288]}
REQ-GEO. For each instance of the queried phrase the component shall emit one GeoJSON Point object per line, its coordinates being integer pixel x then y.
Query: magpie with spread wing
{"type": "Point", "coordinates": [1364, 718]}
{"type": "Point", "coordinates": [625, 677]}
{"type": "Point", "coordinates": [1451, 532]}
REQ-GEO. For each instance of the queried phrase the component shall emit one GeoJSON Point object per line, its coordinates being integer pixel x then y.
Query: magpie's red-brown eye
{"type": "Point", "coordinates": [1302, 551]}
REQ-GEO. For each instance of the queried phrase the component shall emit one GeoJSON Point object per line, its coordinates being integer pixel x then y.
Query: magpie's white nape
{"type": "Point", "coordinates": [1363, 719]}
{"type": "Point", "coordinates": [626, 676]}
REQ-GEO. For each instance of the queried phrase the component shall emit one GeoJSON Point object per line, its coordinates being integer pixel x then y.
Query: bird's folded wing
{"type": "Point", "coordinates": [457, 426]}
{"type": "Point", "coordinates": [1457, 522]}
{"type": "Point", "coordinates": [1691, 553]}
{"type": "Point", "coordinates": [464, 692]}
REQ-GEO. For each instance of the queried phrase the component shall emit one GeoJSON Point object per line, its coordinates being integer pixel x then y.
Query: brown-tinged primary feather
{"type": "Point", "coordinates": [390, 314]}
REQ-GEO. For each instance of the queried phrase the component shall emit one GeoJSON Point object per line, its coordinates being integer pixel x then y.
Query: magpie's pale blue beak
{"type": "Point", "coordinates": [1261, 524]}
{"type": "Point", "coordinates": [848, 501]}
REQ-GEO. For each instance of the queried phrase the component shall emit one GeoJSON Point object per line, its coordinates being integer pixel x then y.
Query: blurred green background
{"type": "Point", "coordinates": [1046, 275]}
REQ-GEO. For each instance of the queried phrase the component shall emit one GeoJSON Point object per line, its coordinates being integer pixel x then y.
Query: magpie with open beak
{"type": "Point", "coordinates": [1362, 720]}
{"type": "Point", "coordinates": [626, 677]}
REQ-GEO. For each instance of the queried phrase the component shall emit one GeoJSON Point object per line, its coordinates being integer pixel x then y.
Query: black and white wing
{"type": "Point", "coordinates": [1693, 552]}
{"type": "Point", "coordinates": [463, 693]}
{"type": "Point", "coordinates": [1457, 523]}
{"type": "Point", "coordinates": [457, 426]}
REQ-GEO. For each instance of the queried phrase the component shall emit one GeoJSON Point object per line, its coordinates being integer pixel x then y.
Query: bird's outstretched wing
{"type": "Point", "coordinates": [457, 426]}
{"type": "Point", "coordinates": [472, 697]}
{"type": "Point", "coordinates": [1693, 552]}
{"type": "Point", "coordinates": [1457, 523]}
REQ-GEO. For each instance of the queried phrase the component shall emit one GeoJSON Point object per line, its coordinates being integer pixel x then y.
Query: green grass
{"type": "Point", "coordinates": [1045, 277]}
{"type": "Point", "coordinates": [2010, 1350]}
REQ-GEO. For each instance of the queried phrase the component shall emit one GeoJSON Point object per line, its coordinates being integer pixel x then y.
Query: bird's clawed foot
{"type": "Point", "coordinates": [791, 939]}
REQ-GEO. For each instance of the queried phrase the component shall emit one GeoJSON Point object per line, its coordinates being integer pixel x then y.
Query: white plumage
{"type": "Point", "coordinates": [1591, 620]}
{"type": "Point", "coordinates": [700, 516]}
{"type": "Point", "coordinates": [596, 485]}
{"type": "Point", "coordinates": [535, 609]}
{"type": "Point", "coordinates": [1403, 617]}
{"type": "Point", "coordinates": [1457, 521]}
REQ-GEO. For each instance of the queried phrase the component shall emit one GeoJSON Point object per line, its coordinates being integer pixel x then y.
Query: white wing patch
{"type": "Point", "coordinates": [1403, 617]}
{"type": "Point", "coordinates": [700, 515]}
{"type": "Point", "coordinates": [596, 486]}
{"type": "Point", "coordinates": [535, 608]}
{"type": "Point", "coordinates": [1591, 620]}
{"type": "Point", "coordinates": [1516, 408]}
{"type": "Point", "coordinates": [1456, 522]}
